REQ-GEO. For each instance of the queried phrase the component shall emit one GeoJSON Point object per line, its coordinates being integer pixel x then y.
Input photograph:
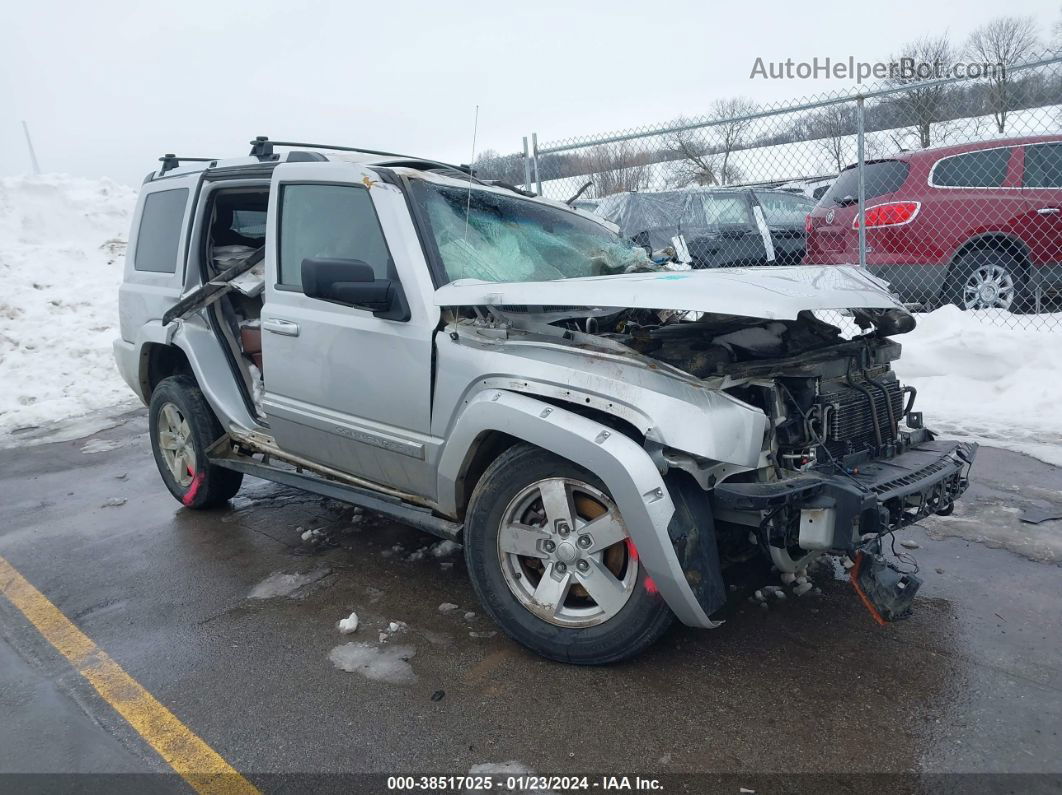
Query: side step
{"type": "Point", "coordinates": [421, 518]}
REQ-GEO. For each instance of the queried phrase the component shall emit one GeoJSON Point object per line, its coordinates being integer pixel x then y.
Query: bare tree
{"type": "Point", "coordinates": [833, 130]}
{"type": "Point", "coordinates": [1000, 43]}
{"type": "Point", "coordinates": [697, 162]}
{"type": "Point", "coordinates": [731, 130]}
{"type": "Point", "coordinates": [703, 153]}
{"type": "Point", "coordinates": [921, 106]}
{"type": "Point", "coordinates": [616, 168]}
{"type": "Point", "coordinates": [492, 165]}
{"type": "Point", "coordinates": [1056, 33]}
{"type": "Point", "coordinates": [880, 145]}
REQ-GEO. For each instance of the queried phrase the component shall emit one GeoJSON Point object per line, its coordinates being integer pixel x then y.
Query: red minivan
{"type": "Point", "coordinates": [978, 225]}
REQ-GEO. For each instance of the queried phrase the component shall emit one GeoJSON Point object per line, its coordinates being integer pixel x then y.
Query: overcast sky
{"type": "Point", "coordinates": [107, 87]}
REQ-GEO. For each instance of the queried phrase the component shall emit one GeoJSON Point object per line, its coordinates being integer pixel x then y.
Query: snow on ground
{"type": "Point", "coordinates": [280, 583]}
{"type": "Point", "coordinates": [390, 665]}
{"type": "Point", "coordinates": [62, 246]}
{"type": "Point", "coordinates": [348, 624]}
{"type": "Point", "coordinates": [989, 376]}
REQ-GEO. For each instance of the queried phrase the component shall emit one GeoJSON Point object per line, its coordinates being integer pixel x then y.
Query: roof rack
{"type": "Point", "coordinates": [262, 148]}
{"type": "Point", "coordinates": [171, 161]}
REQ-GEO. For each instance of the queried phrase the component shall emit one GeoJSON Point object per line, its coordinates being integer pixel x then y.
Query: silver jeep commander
{"type": "Point", "coordinates": [603, 434]}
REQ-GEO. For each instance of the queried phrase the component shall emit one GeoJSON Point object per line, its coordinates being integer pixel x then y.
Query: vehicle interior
{"type": "Point", "coordinates": [235, 232]}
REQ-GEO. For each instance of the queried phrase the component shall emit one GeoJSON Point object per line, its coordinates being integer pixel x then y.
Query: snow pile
{"type": "Point", "coordinates": [348, 624]}
{"type": "Point", "coordinates": [444, 548]}
{"type": "Point", "coordinates": [62, 245]}
{"type": "Point", "coordinates": [993, 379]}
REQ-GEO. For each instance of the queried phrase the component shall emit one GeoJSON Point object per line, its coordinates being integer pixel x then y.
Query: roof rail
{"type": "Point", "coordinates": [171, 161]}
{"type": "Point", "coordinates": [262, 148]}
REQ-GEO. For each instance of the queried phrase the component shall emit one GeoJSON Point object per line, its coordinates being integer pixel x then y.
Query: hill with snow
{"type": "Point", "coordinates": [62, 248]}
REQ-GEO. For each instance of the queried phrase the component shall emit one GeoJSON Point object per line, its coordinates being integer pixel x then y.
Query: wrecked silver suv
{"type": "Point", "coordinates": [604, 435]}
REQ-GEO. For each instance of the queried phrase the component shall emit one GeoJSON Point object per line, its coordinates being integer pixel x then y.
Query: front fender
{"type": "Point", "coordinates": [625, 467]}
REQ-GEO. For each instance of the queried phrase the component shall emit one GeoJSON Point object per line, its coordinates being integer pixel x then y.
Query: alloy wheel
{"type": "Point", "coordinates": [989, 287]}
{"type": "Point", "coordinates": [565, 553]}
{"type": "Point", "coordinates": [175, 442]}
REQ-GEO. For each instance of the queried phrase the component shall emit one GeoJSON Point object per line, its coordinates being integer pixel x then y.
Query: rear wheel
{"type": "Point", "coordinates": [552, 562]}
{"type": "Point", "coordinates": [987, 279]}
{"type": "Point", "coordinates": [182, 427]}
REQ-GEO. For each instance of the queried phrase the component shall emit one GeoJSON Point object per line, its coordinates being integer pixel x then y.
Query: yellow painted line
{"type": "Point", "coordinates": [195, 761]}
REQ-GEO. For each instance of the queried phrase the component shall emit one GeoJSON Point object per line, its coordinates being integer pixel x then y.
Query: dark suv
{"type": "Point", "coordinates": [977, 225]}
{"type": "Point", "coordinates": [722, 227]}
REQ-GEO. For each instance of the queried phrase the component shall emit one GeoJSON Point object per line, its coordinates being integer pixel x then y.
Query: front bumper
{"type": "Point", "coordinates": [876, 497]}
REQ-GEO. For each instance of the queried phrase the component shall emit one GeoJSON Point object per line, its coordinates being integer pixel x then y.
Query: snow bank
{"type": "Point", "coordinates": [988, 376]}
{"type": "Point", "coordinates": [62, 246]}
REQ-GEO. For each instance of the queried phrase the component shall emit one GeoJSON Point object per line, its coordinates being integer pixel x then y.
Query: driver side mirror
{"type": "Point", "coordinates": [352, 282]}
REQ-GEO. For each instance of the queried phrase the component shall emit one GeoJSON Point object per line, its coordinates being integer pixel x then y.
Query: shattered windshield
{"type": "Point", "coordinates": [510, 239]}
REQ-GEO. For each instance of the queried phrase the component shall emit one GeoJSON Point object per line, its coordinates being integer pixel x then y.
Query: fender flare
{"type": "Point", "coordinates": [209, 366]}
{"type": "Point", "coordinates": [625, 467]}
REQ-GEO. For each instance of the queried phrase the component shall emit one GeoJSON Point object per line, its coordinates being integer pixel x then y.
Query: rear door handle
{"type": "Point", "coordinates": [280, 326]}
{"type": "Point", "coordinates": [1048, 211]}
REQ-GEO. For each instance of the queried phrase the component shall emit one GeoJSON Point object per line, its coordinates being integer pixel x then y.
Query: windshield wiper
{"type": "Point", "coordinates": [846, 201]}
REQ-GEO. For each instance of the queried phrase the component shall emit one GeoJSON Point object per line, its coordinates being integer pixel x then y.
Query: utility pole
{"type": "Point", "coordinates": [32, 154]}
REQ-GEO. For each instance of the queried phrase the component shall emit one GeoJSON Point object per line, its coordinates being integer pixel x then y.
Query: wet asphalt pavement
{"type": "Point", "coordinates": [972, 682]}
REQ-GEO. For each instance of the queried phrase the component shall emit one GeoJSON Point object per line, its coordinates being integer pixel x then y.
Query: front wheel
{"type": "Point", "coordinates": [182, 427]}
{"type": "Point", "coordinates": [553, 564]}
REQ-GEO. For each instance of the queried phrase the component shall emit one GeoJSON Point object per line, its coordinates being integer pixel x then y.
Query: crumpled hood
{"type": "Point", "coordinates": [770, 292]}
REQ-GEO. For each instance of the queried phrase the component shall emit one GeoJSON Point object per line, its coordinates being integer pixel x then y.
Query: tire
{"type": "Point", "coordinates": [571, 626]}
{"type": "Point", "coordinates": [999, 273]}
{"type": "Point", "coordinates": [182, 427]}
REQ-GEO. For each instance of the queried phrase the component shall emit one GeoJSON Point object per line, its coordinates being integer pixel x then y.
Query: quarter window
{"type": "Point", "coordinates": [329, 221]}
{"type": "Point", "coordinates": [159, 235]}
{"type": "Point", "coordinates": [986, 168]}
{"type": "Point", "coordinates": [1043, 166]}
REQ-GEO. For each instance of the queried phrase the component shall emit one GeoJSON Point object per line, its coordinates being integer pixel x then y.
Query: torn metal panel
{"type": "Point", "coordinates": [208, 293]}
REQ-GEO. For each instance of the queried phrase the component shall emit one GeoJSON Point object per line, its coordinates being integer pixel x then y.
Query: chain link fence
{"type": "Point", "coordinates": [950, 188]}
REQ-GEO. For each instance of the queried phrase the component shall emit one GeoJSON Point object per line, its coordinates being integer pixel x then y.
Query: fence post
{"type": "Point", "coordinates": [534, 150]}
{"type": "Point", "coordinates": [861, 162]}
{"type": "Point", "coordinates": [527, 168]}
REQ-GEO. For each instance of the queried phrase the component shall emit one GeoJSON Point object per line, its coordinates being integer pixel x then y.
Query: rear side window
{"type": "Point", "coordinates": [329, 221]}
{"type": "Point", "coordinates": [710, 210]}
{"type": "Point", "coordinates": [881, 177]}
{"type": "Point", "coordinates": [160, 231]}
{"type": "Point", "coordinates": [986, 168]}
{"type": "Point", "coordinates": [782, 210]}
{"type": "Point", "coordinates": [1043, 166]}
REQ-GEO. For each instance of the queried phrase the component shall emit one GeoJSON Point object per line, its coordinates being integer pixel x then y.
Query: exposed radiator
{"type": "Point", "coordinates": [849, 420]}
